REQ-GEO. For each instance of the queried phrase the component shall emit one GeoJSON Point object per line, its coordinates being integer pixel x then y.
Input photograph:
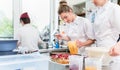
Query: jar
{"type": "Point", "coordinates": [115, 64]}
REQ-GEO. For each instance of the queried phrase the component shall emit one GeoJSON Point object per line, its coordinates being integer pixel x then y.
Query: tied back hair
{"type": "Point", "coordinates": [62, 2]}
{"type": "Point", "coordinates": [64, 8]}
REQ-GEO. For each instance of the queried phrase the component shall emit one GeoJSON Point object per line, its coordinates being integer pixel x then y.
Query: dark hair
{"type": "Point", "coordinates": [64, 8]}
{"type": "Point", "coordinates": [25, 20]}
{"type": "Point", "coordinates": [63, 2]}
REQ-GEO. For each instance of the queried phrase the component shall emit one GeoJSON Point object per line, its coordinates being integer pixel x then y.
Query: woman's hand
{"type": "Point", "coordinates": [61, 37]}
{"type": "Point", "coordinates": [79, 43]}
{"type": "Point", "coordinates": [115, 50]}
{"type": "Point", "coordinates": [58, 36]}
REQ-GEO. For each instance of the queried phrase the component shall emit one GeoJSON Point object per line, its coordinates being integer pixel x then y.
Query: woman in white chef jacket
{"type": "Point", "coordinates": [27, 36]}
{"type": "Point", "coordinates": [105, 23]}
{"type": "Point", "coordinates": [77, 28]}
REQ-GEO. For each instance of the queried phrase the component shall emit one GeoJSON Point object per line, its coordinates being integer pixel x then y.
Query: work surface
{"type": "Point", "coordinates": [23, 61]}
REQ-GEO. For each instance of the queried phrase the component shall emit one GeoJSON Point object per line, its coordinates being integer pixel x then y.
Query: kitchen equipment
{"type": "Point", "coordinates": [58, 66]}
{"type": "Point", "coordinates": [75, 62]}
{"type": "Point", "coordinates": [93, 64]}
{"type": "Point", "coordinates": [7, 45]}
{"type": "Point", "coordinates": [115, 64]}
{"type": "Point", "coordinates": [61, 58]}
{"type": "Point", "coordinates": [99, 52]}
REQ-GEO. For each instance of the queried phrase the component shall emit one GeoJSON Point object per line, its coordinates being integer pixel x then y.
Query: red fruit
{"type": "Point", "coordinates": [53, 56]}
{"type": "Point", "coordinates": [59, 55]}
{"type": "Point", "coordinates": [65, 56]}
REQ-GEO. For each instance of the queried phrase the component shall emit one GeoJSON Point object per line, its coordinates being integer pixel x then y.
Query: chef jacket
{"type": "Point", "coordinates": [79, 29]}
{"type": "Point", "coordinates": [107, 24]}
{"type": "Point", "coordinates": [28, 37]}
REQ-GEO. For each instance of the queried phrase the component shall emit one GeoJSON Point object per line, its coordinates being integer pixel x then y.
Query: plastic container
{"type": "Point", "coordinates": [7, 45]}
{"type": "Point", "coordinates": [115, 64]}
{"type": "Point", "coordinates": [93, 64]}
{"type": "Point", "coordinates": [75, 62]}
{"type": "Point", "coordinates": [99, 52]}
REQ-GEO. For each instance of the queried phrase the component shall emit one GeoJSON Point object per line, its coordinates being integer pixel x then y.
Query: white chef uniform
{"type": "Point", "coordinates": [79, 29]}
{"type": "Point", "coordinates": [28, 36]}
{"type": "Point", "coordinates": [106, 21]}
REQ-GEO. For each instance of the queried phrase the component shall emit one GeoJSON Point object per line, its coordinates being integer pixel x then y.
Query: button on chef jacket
{"type": "Point", "coordinates": [79, 29]}
{"type": "Point", "coordinates": [107, 24]}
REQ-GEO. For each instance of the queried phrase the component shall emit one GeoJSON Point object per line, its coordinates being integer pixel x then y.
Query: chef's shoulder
{"type": "Point", "coordinates": [83, 19]}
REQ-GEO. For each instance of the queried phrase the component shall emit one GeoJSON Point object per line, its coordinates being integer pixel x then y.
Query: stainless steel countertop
{"type": "Point", "coordinates": [52, 49]}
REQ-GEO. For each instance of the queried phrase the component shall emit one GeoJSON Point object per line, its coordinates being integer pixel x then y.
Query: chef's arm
{"type": "Point", "coordinates": [66, 38]}
{"type": "Point", "coordinates": [63, 37]}
{"type": "Point", "coordinates": [86, 43]}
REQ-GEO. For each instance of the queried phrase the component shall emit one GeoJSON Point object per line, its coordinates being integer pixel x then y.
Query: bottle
{"type": "Point", "coordinates": [56, 40]}
{"type": "Point", "coordinates": [57, 44]}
